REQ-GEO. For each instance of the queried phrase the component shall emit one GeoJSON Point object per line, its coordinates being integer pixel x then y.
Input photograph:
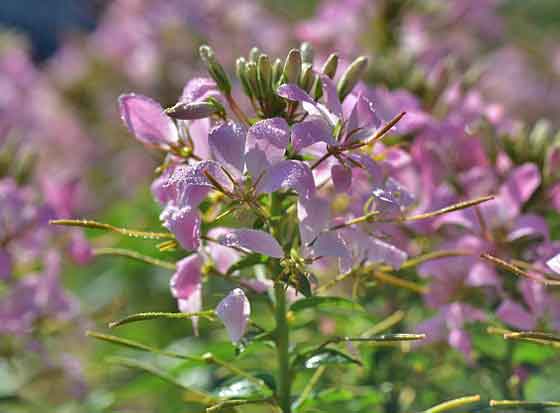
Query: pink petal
{"type": "Point", "coordinates": [266, 142]}
{"type": "Point", "coordinates": [515, 315]}
{"type": "Point", "coordinates": [554, 263]}
{"type": "Point", "coordinates": [461, 340]}
{"type": "Point", "coordinates": [289, 174]}
{"type": "Point", "coordinates": [184, 177]}
{"type": "Point", "coordinates": [342, 178]}
{"type": "Point", "coordinates": [234, 311]}
{"type": "Point", "coordinates": [198, 89]}
{"type": "Point", "coordinates": [295, 93]}
{"type": "Point", "coordinates": [529, 225]}
{"type": "Point", "coordinates": [222, 257]}
{"type": "Point", "coordinates": [380, 251]}
{"type": "Point", "coordinates": [145, 119]}
{"type": "Point", "coordinates": [331, 96]}
{"type": "Point", "coordinates": [522, 182]}
{"type": "Point", "coordinates": [193, 304]}
{"type": "Point", "coordinates": [313, 216]}
{"type": "Point", "coordinates": [329, 244]}
{"type": "Point", "coordinates": [481, 274]}
{"type": "Point", "coordinates": [309, 132]}
{"type": "Point", "coordinates": [187, 279]}
{"type": "Point", "coordinates": [5, 265]}
{"type": "Point", "coordinates": [253, 240]}
{"type": "Point", "coordinates": [184, 223]}
{"type": "Point", "coordinates": [227, 143]}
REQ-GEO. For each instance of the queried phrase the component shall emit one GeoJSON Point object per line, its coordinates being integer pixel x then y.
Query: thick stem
{"type": "Point", "coordinates": [282, 350]}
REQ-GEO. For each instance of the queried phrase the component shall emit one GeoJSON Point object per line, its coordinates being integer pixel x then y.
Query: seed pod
{"type": "Point", "coordinates": [215, 69]}
{"type": "Point", "coordinates": [307, 53]}
{"type": "Point", "coordinates": [292, 66]}
{"type": "Point", "coordinates": [330, 66]}
{"type": "Point", "coordinates": [351, 76]}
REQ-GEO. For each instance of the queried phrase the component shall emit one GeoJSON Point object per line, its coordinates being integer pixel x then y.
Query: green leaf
{"type": "Point", "coordinates": [240, 388]}
{"type": "Point", "coordinates": [247, 261]}
{"type": "Point", "coordinates": [324, 356]}
{"type": "Point", "coordinates": [202, 397]}
{"type": "Point", "coordinates": [301, 283]}
{"type": "Point", "coordinates": [122, 252]}
{"type": "Point", "coordinates": [140, 346]}
{"type": "Point", "coordinates": [325, 303]}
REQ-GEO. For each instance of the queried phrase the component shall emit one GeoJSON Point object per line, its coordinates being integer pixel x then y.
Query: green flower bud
{"type": "Point", "coordinates": [251, 75]}
{"type": "Point", "coordinates": [538, 139]}
{"type": "Point", "coordinates": [240, 71]}
{"type": "Point", "coordinates": [277, 71]}
{"type": "Point", "coordinates": [307, 53]}
{"type": "Point", "coordinates": [254, 54]}
{"type": "Point", "coordinates": [292, 66]}
{"type": "Point", "coordinates": [351, 76]}
{"type": "Point", "coordinates": [215, 69]}
{"type": "Point", "coordinates": [264, 74]}
{"type": "Point", "coordinates": [330, 66]}
{"type": "Point", "coordinates": [307, 77]}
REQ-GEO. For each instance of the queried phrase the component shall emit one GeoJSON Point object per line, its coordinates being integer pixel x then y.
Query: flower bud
{"type": "Point", "coordinates": [264, 74]}
{"type": "Point", "coordinates": [215, 69]}
{"type": "Point", "coordinates": [307, 53]}
{"type": "Point", "coordinates": [191, 111]}
{"type": "Point", "coordinates": [234, 311]}
{"type": "Point", "coordinates": [351, 76]}
{"type": "Point", "coordinates": [330, 66]}
{"type": "Point", "coordinates": [538, 139]}
{"type": "Point", "coordinates": [292, 66]}
{"type": "Point", "coordinates": [240, 70]}
{"type": "Point", "coordinates": [254, 54]}
{"type": "Point", "coordinates": [251, 75]}
{"type": "Point", "coordinates": [307, 77]}
{"type": "Point", "coordinates": [276, 71]}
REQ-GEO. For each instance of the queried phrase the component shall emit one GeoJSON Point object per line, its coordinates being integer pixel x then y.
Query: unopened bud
{"type": "Point", "coordinates": [240, 71]}
{"type": "Point", "coordinates": [307, 78]}
{"type": "Point", "coordinates": [351, 76]}
{"type": "Point", "coordinates": [330, 66]}
{"type": "Point", "coordinates": [215, 69]}
{"type": "Point", "coordinates": [538, 139]}
{"type": "Point", "coordinates": [191, 111]}
{"type": "Point", "coordinates": [251, 75]}
{"type": "Point", "coordinates": [254, 54]}
{"type": "Point", "coordinates": [307, 53]}
{"type": "Point", "coordinates": [264, 74]}
{"type": "Point", "coordinates": [292, 66]}
{"type": "Point", "coordinates": [276, 71]}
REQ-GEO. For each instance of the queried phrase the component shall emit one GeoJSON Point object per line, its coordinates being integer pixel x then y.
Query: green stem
{"type": "Point", "coordinates": [282, 350]}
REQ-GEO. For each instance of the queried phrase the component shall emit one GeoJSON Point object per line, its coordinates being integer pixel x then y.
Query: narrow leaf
{"type": "Point", "coordinates": [209, 315]}
{"type": "Point", "coordinates": [247, 261]}
{"type": "Point", "coordinates": [121, 252]}
{"type": "Point", "coordinates": [325, 303]}
{"type": "Point", "coordinates": [202, 397]}
{"type": "Point", "coordinates": [139, 346]}
{"type": "Point", "coordinates": [322, 357]}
